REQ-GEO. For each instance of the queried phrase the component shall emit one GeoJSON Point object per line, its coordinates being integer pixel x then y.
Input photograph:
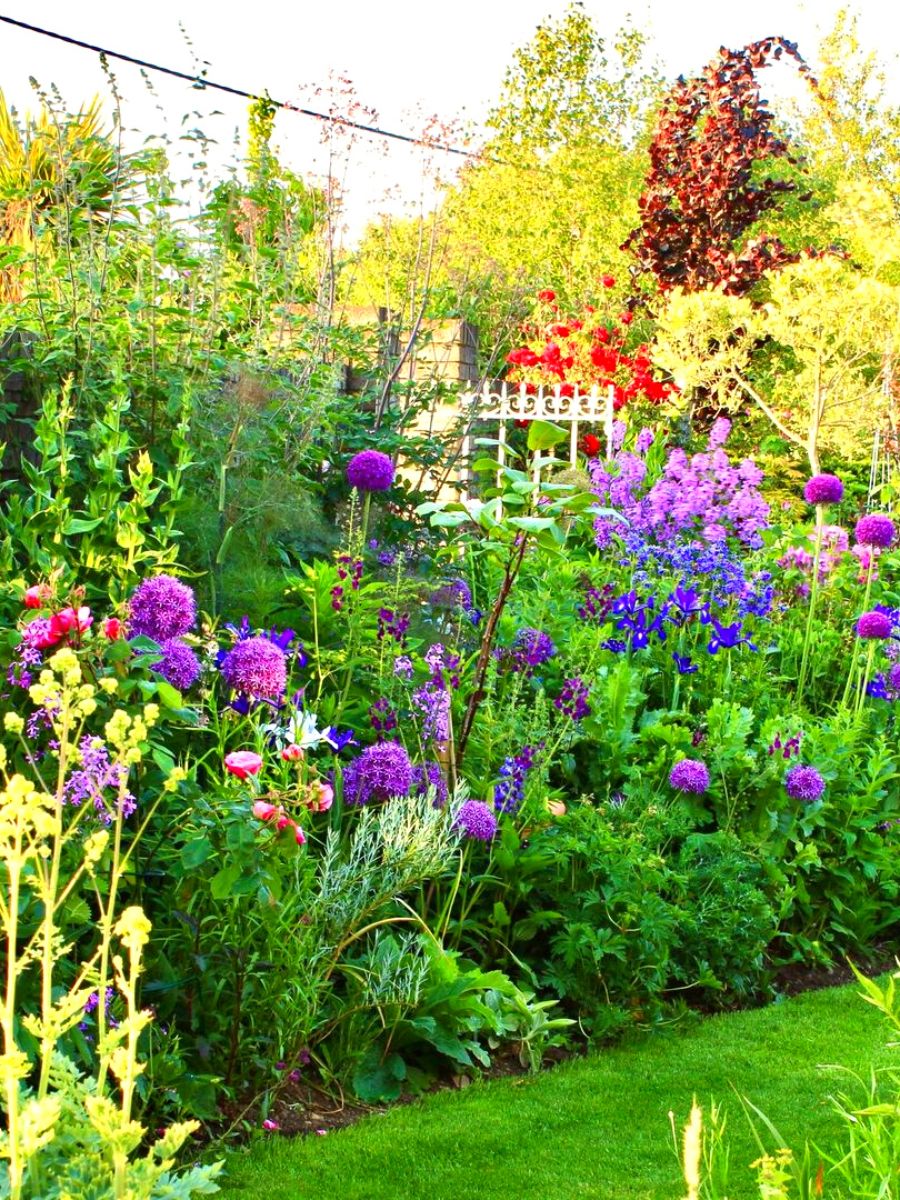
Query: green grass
{"type": "Point", "coordinates": [595, 1127]}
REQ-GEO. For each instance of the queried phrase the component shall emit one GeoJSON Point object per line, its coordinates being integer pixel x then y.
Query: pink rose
{"type": "Point", "coordinates": [243, 763]}
{"type": "Point", "coordinates": [113, 628]}
{"type": "Point", "coordinates": [36, 596]}
{"type": "Point", "coordinates": [264, 811]}
{"type": "Point", "coordinates": [70, 619]}
{"type": "Point", "coordinates": [322, 797]}
{"type": "Point", "coordinates": [292, 753]}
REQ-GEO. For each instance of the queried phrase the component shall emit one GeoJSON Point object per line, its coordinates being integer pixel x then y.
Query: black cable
{"type": "Point", "coordinates": [200, 82]}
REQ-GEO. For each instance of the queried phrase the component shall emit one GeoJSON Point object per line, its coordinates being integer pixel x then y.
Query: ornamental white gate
{"type": "Point", "coordinates": [517, 403]}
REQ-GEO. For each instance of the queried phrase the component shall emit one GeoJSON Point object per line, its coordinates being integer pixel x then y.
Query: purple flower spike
{"type": "Point", "coordinates": [690, 775]}
{"type": "Point", "coordinates": [475, 820]}
{"type": "Point", "coordinates": [370, 471]}
{"type": "Point", "coordinates": [824, 489]}
{"type": "Point", "coordinates": [875, 530]}
{"type": "Point", "coordinates": [162, 608]}
{"type": "Point", "coordinates": [804, 783]}
{"type": "Point", "coordinates": [873, 624]}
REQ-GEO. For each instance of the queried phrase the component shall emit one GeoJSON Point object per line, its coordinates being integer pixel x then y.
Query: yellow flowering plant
{"type": "Point", "coordinates": [70, 1134]}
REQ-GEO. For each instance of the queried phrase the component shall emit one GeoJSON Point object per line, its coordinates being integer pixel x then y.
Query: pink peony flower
{"type": "Point", "coordinates": [243, 763]}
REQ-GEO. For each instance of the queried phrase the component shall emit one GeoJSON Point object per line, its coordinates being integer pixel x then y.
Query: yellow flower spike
{"type": "Point", "coordinates": [86, 691]}
{"type": "Point", "coordinates": [117, 727]}
{"type": "Point", "coordinates": [176, 776]}
{"type": "Point", "coordinates": [94, 847]}
{"type": "Point", "coordinates": [133, 928]}
{"type": "Point", "coordinates": [138, 731]}
{"type": "Point", "coordinates": [109, 685]}
{"type": "Point", "coordinates": [13, 723]}
{"type": "Point", "coordinates": [46, 677]}
{"type": "Point", "coordinates": [87, 707]}
{"type": "Point", "coordinates": [133, 756]}
{"type": "Point", "coordinates": [151, 714]}
{"type": "Point", "coordinates": [2, 758]}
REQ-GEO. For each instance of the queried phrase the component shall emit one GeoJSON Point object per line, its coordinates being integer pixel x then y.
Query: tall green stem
{"type": "Point", "coordinates": [813, 597]}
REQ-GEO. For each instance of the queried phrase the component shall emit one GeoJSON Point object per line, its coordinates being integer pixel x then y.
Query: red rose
{"type": "Point", "coordinates": [591, 444]}
{"type": "Point", "coordinates": [113, 628]}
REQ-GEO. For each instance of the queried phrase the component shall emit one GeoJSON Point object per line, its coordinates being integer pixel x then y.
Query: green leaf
{"type": "Point", "coordinates": [375, 1081]}
{"type": "Point", "coordinates": [542, 435]}
{"type": "Point", "coordinates": [170, 696]}
{"type": "Point", "coordinates": [532, 524]}
{"type": "Point", "coordinates": [82, 524]}
{"type": "Point", "coordinates": [195, 853]}
{"type": "Point", "coordinates": [448, 519]}
{"type": "Point", "coordinates": [223, 881]}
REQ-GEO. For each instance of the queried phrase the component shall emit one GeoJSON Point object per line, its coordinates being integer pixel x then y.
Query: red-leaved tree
{"type": "Point", "coordinates": [704, 190]}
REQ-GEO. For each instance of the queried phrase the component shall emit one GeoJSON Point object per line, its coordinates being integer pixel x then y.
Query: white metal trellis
{"type": "Point", "coordinates": [517, 403]}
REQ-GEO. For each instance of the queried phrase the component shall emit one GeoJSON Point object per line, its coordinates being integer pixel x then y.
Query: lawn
{"type": "Point", "coordinates": [596, 1127]}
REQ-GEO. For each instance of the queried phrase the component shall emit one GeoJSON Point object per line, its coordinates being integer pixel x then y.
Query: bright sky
{"type": "Point", "coordinates": [407, 59]}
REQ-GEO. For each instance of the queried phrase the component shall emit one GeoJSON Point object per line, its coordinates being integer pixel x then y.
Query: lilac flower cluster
{"type": "Point", "coordinates": [433, 702]}
{"type": "Point", "coordinates": [382, 772]}
{"type": "Point", "coordinates": [475, 820]}
{"type": "Point", "coordinates": [99, 781]}
{"type": "Point", "coordinates": [698, 498]}
{"type": "Point", "coordinates": [509, 791]}
{"type": "Point", "coordinates": [161, 608]}
{"type": "Point", "coordinates": [19, 673]}
{"type": "Point", "coordinates": [597, 602]}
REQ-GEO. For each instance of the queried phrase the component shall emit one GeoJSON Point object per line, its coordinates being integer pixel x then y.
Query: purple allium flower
{"type": "Point", "coordinates": [381, 772]}
{"type": "Point", "coordinates": [179, 665]}
{"type": "Point", "coordinates": [804, 783]}
{"type": "Point", "coordinates": [690, 775]}
{"type": "Point", "coordinates": [256, 667]}
{"type": "Point", "coordinates": [875, 530]}
{"type": "Point", "coordinates": [873, 624]}
{"type": "Point", "coordinates": [429, 774]}
{"type": "Point", "coordinates": [370, 471]}
{"type": "Point", "coordinates": [475, 820]}
{"type": "Point", "coordinates": [162, 608]}
{"type": "Point", "coordinates": [573, 699]}
{"type": "Point", "coordinates": [824, 489]}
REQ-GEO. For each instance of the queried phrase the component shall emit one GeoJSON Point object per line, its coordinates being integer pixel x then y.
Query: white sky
{"type": "Point", "coordinates": [408, 59]}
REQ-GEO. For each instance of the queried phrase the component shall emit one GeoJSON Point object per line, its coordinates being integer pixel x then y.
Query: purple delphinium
{"type": "Point", "coordinates": [804, 783]}
{"type": "Point", "coordinates": [256, 667]}
{"type": "Point", "coordinates": [161, 608]}
{"type": "Point", "coordinates": [382, 716]}
{"type": "Point", "coordinates": [509, 791]}
{"type": "Point", "coordinates": [370, 471]}
{"type": "Point", "coordinates": [824, 489]}
{"type": "Point", "coordinates": [433, 702]}
{"type": "Point", "coordinates": [381, 772]}
{"type": "Point", "coordinates": [179, 665]}
{"type": "Point", "coordinates": [98, 781]}
{"type": "Point", "coordinates": [429, 774]}
{"type": "Point", "coordinates": [874, 624]}
{"type": "Point", "coordinates": [644, 440]}
{"type": "Point", "coordinates": [875, 530]}
{"type": "Point", "coordinates": [690, 775]}
{"type": "Point", "coordinates": [475, 820]}
{"type": "Point", "coordinates": [573, 699]}
{"type": "Point", "coordinates": [531, 648]}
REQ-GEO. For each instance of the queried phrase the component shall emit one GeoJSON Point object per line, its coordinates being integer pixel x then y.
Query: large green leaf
{"type": "Point", "coordinates": [542, 435]}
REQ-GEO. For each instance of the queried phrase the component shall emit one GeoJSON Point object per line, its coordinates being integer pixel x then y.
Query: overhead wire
{"type": "Point", "coordinates": [201, 82]}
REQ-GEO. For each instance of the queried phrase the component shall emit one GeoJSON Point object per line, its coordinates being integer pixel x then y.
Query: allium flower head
{"type": "Point", "coordinates": [179, 665]}
{"type": "Point", "coordinates": [381, 772]}
{"type": "Point", "coordinates": [475, 820]}
{"type": "Point", "coordinates": [256, 667]}
{"type": "Point", "coordinates": [873, 624]}
{"type": "Point", "coordinates": [875, 530]}
{"type": "Point", "coordinates": [824, 489]}
{"type": "Point", "coordinates": [162, 608]}
{"type": "Point", "coordinates": [370, 471]}
{"type": "Point", "coordinates": [804, 783]}
{"type": "Point", "coordinates": [690, 775]}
